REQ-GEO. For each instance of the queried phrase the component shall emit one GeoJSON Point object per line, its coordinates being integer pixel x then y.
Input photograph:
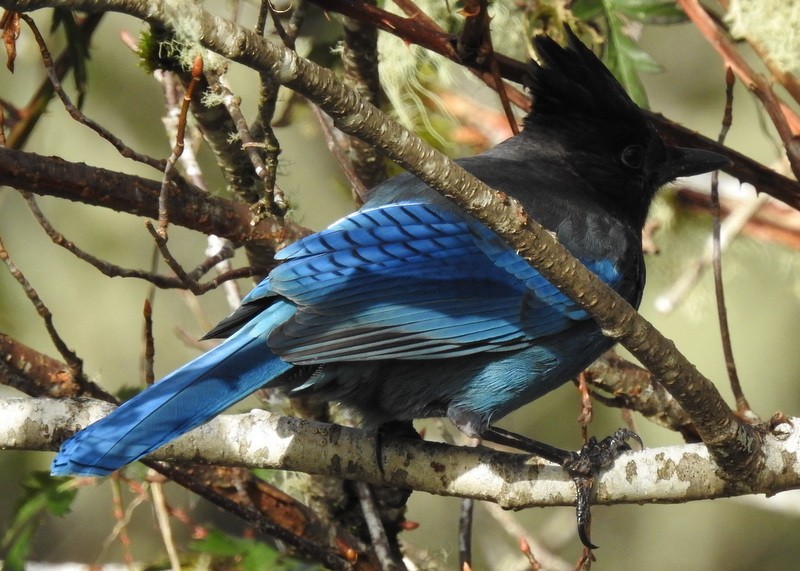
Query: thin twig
{"type": "Point", "coordinates": [76, 113]}
{"type": "Point", "coordinates": [730, 228]}
{"type": "Point", "coordinates": [587, 412]}
{"type": "Point", "coordinates": [377, 533]}
{"type": "Point", "coordinates": [508, 522]}
{"type": "Point", "coordinates": [742, 406]}
{"type": "Point", "coordinates": [337, 147]}
{"type": "Point", "coordinates": [248, 143]}
{"type": "Point", "coordinates": [162, 282]}
{"type": "Point", "coordinates": [149, 344]}
{"type": "Point", "coordinates": [474, 45]}
{"type": "Point", "coordinates": [465, 534]}
{"type": "Point", "coordinates": [75, 363]}
{"type": "Point", "coordinates": [361, 72]}
{"type": "Point", "coordinates": [755, 82]}
{"type": "Point", "coordinates": [162, 517]}
{"type": "Point", "coordinates": [122, 521]}
{"type": "Point", "coordinates": [177, 149]}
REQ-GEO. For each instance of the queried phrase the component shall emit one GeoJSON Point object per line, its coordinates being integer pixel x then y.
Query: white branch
{"type": "Point", "coordinates": [262, 440]}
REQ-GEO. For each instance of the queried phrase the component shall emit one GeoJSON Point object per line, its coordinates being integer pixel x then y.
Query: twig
{"type": "Point", "coordinates": [730, 228]}
{"type": "Point", "coordinates": [163, 282]}
{"type": "Point", "coordinates": [74, 362]}
{"type": "Point", "coordinates": [490, 70]}
{"type": "Point", "coordinates": [755, 82]}
{"type": "Point", "coordinates": [249, 145]}
{"type": "Point", "coordinates": [24, 122]}
{"type": "Point", "coordinates": [177, 150]}
{"type": "Point", "coordinates": [634, 388]}
{"type": "Point", "coordinates": [465, 534]}
{"type": "Point", "coordinates": [773, 221]}
{"type": "Point", "coordinates": [222, 249]}
{"type": "Point", "coordinates": [76, 113]}
{"type": "Point", "coordinates": [149, 344]}
{"type": "Point", "coordinates": [337, 145]}
{"type": "Point", "coordinates": [525, 549]}
{"type": "Point", "coordinates": [513, 528]}
{"type": "Point", "coordinates": [474, 45]}
{"type": "Point", "coordinates": [377, 533]}
{"type": "Point", "coordinates": [587, 412]}
{"type": "Point", "coordinates": [123, 519]}
{"type": "Point", "coordinates": [361, 72]}
{"type": "Point", "coordinates": [789, 81]}
{"type": "Point", "coordinates": [122, 522]}
{"type": "Point", "coordinates": [742, 406]}
{"type": "Point", "coordinates": [162, 517]}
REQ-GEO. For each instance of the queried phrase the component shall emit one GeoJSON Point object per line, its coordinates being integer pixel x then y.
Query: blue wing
{"type": "Point", "coordinates": [410, 281]}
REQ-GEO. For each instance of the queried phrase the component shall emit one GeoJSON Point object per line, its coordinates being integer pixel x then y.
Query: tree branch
{"type": "Point", "coordinates": [260, 439]}
{"type": "Point", "coordinates": [190, 207]}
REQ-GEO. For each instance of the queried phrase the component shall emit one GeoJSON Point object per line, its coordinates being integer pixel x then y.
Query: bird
{"type": "Point", "coordinates": [411, 308]}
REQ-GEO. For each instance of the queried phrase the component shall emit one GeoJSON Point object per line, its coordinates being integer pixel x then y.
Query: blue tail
{"type": "Point", "coordinates": [181, 401]}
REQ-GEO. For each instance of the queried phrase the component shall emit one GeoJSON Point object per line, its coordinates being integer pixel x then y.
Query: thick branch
{"type": "Point", "coordinates": [189, 206]}
{"type": "Point", "coordinates": [733, 445]}
{"type": "Point", "coordinates": [260, 439]}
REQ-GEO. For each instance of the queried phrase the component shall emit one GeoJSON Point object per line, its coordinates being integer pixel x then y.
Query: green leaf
{"type": "Point", "coordinates": [247, 554]}
{"type": "Point", "coordinates": [78, 46]}
{"type": "Point", "coordinates": [587, 9]}
{"type": "Point", "coordinates": [651, 11]}
{"type": "Point", "coordinates": [43, 494]}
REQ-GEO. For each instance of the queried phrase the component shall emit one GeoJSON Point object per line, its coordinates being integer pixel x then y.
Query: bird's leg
{"type": "Point", "coordinates": [582, 465]}
{"type": "Point", "coordinates": [399, 428]}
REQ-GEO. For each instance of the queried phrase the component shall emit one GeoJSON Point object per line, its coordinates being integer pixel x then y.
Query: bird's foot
{"type": "Point", "coordinates": [398, 428]}
{"type": "Point", "coordinates": [582, 466]}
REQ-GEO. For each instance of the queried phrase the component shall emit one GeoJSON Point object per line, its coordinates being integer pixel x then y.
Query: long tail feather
{"type": "Point", "coordinates": [181, 401]}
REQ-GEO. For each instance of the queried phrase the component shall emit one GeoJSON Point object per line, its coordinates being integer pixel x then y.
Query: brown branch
{"type": "Point", "coordinates": [76, 113]}
{"type": "Point", "coordinates": [36, 374]}
{"type": "Point", "coordinates": [742, 406]}
{"type": "Point", "coordinates": [74, 362]}
{"type": "Point", "coordinates": [755, 82]}
{"type": "Point", "coordinates": [190, 207]}
{"type": "Point", "coordinates": [634, 388]}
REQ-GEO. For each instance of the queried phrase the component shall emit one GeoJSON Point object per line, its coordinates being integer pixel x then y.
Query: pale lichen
{"type": "Point", "coordinates": [774, 25]}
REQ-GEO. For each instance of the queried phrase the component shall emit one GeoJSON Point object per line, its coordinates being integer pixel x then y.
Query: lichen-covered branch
{"type": "Point", "coordinates": [260, 439]}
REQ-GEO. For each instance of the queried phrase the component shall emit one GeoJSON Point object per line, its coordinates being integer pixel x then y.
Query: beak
{"type": "Point", "coordinates": [681, 161]}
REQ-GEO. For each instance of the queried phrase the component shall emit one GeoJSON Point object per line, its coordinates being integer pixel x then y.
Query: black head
{"type": "Point", "coordinates": [584, 113]}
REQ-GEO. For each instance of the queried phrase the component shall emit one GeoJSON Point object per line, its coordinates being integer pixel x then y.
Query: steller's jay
{"type": "Point", "coordinates": [410, 308]}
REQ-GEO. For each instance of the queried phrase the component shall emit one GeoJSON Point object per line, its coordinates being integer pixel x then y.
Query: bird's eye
{"type": "Point", "coordinates": [633, 156]}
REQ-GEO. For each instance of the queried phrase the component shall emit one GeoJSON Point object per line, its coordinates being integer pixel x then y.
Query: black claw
{"type": "Point", "coordinates": [583, 512]}
{"type": "Point", "coordinates": [582, 466]}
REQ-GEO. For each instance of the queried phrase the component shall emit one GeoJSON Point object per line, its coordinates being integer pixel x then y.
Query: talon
{"type": "Point", "coordinates": [583, 512]}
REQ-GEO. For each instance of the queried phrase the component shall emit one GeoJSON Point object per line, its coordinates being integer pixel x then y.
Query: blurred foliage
{"type": "Point", "coordinates": [42, 494]}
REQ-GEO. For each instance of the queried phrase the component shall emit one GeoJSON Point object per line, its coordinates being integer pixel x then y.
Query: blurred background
{"type": "Point", "coordinates": [101, 318]}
